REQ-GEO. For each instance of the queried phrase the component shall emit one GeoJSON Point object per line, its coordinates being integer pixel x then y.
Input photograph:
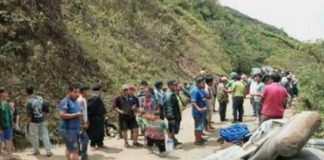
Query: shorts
{"type": "Point", "coordinates": [70, 138]}
{"type": "Point", "coordinates": [127, 124]}
{"type": "Point", "coordinates": [7, 135]}
{"type": "Point", "coordinates": [174, 128]}
{"type": "Point", "coordinates": [199, 124]}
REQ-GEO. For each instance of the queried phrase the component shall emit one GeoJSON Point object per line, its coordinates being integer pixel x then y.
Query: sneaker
{"type": "Point", "coordinates": [49, 154]}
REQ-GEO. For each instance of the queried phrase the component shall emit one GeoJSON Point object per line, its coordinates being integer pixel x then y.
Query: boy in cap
{"type": "Point", "coordinates": [126, 109]}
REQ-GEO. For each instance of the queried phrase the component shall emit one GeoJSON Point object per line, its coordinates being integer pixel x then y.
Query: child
{"type": "Point", "coordinates": [155, 132]}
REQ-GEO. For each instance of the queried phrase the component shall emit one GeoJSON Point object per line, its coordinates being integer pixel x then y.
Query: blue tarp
{"type": "Point", "coordinates": [234, 133]}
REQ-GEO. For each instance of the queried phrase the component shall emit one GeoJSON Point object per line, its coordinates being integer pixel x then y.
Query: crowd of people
{"type": "Point", "coordinates": [154, 112]}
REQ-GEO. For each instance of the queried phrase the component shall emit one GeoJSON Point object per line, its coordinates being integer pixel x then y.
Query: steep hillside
{"type": "Point", "coordinates": [53, 43]}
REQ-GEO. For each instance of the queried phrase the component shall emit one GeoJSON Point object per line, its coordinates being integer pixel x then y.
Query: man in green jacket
{"type": "Point", "coordinates": [173, 111]}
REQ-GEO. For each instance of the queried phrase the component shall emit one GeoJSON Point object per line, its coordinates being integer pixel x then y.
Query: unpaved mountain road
{"type": "Point", "coordinates": [189, 151]}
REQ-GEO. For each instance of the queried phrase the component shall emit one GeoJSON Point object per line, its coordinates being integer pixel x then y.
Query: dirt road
{"type": "Point", "coordinates": [189, 151]}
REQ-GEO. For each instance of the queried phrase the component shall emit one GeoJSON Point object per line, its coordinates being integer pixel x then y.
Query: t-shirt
{"type": "Point", "coordinates": [253, 87]}
{"type": "Point", "coordinates": [84, 108]}
{"type": "Point", "coordinates": [35, 109]}
{"type": "Point", "coordinates": [239, 88]}
{"type": "Point", "coordinates": [274, 96]}
{"type": "Point", "coordinates": [258, 91]}
{"type": "Point", "coordinates": [230, 84]}
{"type": "Point", "coordinates": [210, 92]}
{"type": "Point", "coordinates": [149, 105]}
{"type": "Point", "coordinates": [198, 95]}
{"type": "Point", "coordinates": [125, 104]}
{"type": "Point", "coordinates": [69, 106]}
{"type": "Point", "coordinates": [133, 100]}
{"type": "Point", "coordinates": [4, 106]}
{"type": "Point", "coordinates": [158, 95]}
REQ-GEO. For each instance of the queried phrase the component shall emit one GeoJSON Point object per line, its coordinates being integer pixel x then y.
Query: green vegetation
{"type": "Point", "coordinates": [308, 63]}
{"type": "Point", "coordinates": [53, 43]}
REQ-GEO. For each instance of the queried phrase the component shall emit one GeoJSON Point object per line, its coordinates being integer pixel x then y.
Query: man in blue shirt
{"type": "Point", "coordinates": [199, 109]}
{"type": "Point", "coordinates": [70, 115]}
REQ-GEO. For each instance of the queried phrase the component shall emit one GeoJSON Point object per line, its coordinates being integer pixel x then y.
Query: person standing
{"type": "Point", "coordinates": [199, 109]}
{"type": "Point", "coordinates": [210, 101]}
{"type": "Point", "coordinates": [173, 111]}
{"type": "Point", "coordinates": [126, 108]}
{"type": "Point", "coordinates": [37, 109]}
{"type": "Point", "coordinates": [253, 86]}
{"type": "Point", "coordinates": [83, 136]}
{"type": "Point", "coordinates": [238, 90]}
{"type": "Point", "coordinates": [70, 115]}
{"type": "Point", "coordinates": [148, 104]}
{"type": "Point", "coordinates": [273, 99]}
{"type": "Point", "coordinates": [159, 97]}
{"type": "Point", "coordinates": [257, 93]}
{"type": "Point", "coordinates": [143, 85]}
{"type": "Point", "coordinates": [96, 114]}
{"type": "Point", "coordinates": [222, 97]}
{"type": "Point", "coordinates": [6, 123]}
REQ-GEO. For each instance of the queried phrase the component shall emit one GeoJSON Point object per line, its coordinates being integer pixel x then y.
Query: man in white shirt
{"type": "Point", "coordinates": [83, 136]}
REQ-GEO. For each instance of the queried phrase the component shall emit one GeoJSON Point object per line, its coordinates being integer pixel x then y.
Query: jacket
{"type": "Point", "coordinates": [173, 111]}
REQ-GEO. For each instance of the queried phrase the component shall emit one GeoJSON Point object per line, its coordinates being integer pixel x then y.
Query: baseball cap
{"type": "Point", "coordinates": [125, 87]}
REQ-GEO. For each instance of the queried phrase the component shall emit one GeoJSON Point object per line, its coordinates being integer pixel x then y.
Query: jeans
{"type": "Point", "coordinates": [37, 130]}
{"type": "Point", "coordinates": [256, 106]}
{"type": "Point", "coordinates": [83, 145]}
{"type": "Point", "coordinates": [238, 108]}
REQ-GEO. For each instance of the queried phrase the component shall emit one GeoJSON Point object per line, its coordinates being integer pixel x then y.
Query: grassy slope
{"type": "Point", "coordinates": [52, 43]}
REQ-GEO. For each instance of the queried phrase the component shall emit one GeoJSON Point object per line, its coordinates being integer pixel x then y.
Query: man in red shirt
{"type": "Point", "coordinates": [273, 99]}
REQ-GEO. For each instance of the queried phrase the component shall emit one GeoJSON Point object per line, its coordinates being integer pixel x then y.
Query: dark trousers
{"type": "Point", "coordinates": [238, 108]}
{"type": "Point", "coordinates": [222, 110]}
{"type": "Point", "coordinates": [159, 143]}
{"type": "Point", "coordinates": [96, 131]}
{"type": "Point", "coordinates": [162, 112]}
